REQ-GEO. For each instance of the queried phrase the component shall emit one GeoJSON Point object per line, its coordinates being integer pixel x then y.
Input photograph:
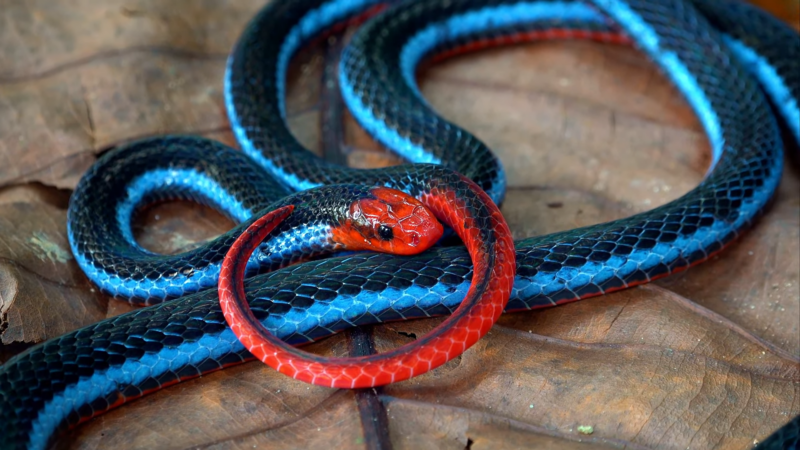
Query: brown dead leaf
{"type": "Point", "coordinates": [70, 90]}
{"type": "Point", "coordinates": [43, 293]}
{"type": "Point", "coordinates": [708, 358]}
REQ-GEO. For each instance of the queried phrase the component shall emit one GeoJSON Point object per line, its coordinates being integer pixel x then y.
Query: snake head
{"type": "Point", "coordinates": [390, 222]}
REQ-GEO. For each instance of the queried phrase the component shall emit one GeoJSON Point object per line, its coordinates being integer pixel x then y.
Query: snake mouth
{"type": "Point", "coordinates": [391, 221]}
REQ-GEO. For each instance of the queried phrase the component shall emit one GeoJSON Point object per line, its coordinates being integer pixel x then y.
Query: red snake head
{"type": "Point", "coordinates": [391, 222]}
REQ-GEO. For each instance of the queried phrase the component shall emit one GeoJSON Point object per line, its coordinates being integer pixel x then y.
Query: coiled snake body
{"type": "Point", "coordinates": [108, 363]}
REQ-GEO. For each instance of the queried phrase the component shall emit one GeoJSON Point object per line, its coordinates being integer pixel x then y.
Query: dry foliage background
{"type": "Point", "coordinates": [709, 358]}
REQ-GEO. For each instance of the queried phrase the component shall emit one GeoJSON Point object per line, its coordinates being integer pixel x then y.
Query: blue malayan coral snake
{"type": "Point", "coordinates": [719, 54]}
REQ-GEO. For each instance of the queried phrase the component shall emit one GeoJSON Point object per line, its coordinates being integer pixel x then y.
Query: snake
{"type": "Point", "coordinates": [455, 200]}
{"type": "Point", "coordinates": [723, 56]}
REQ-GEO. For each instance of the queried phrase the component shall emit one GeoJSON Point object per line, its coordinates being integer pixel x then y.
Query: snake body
{"type": "Point", "coordinates": [55, 385]}
{"type": "Point", "coordinates": [462, 206]}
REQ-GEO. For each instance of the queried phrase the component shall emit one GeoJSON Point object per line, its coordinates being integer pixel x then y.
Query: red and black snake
{"type": "Point", "coordinates": [722, 55]}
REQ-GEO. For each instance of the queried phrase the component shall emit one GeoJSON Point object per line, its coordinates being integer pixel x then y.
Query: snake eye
{"type": "Point", "coordinates": [385, 232]}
